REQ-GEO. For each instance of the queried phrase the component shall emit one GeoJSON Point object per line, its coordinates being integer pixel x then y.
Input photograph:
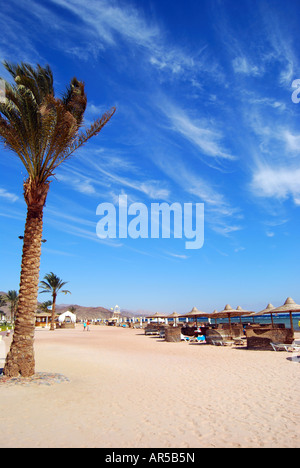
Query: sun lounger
{"type": "Point", "coordinates": [285, 347]}
{"type": "Point", "coordinates": [239, 341]}
{"type": "Point", "coordinates": [151, 332]}
{"type": "Point", "coordinates": [217, 342]}
{"type": "Point", "coordinates": [197, 339]}
{"type": "Point", "coordinates": [201, 339]}
{"type": "Point", "coordinates": [222, 343]}
{"type": "Point", "coordinates": [185, 338]}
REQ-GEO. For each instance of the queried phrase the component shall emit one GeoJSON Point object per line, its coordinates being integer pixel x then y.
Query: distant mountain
{"type": "Point", "coordinates": [88, 313]}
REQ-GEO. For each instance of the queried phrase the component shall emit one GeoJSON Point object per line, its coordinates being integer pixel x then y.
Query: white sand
{"type": "Point", "coordinates": [128, 390]}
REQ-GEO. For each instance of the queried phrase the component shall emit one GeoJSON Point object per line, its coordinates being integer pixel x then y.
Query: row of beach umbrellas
{"type": "Point", "coordinates": [228, 312]}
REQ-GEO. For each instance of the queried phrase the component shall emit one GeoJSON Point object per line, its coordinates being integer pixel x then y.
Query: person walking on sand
{"type": "Point", "coordinates": [84, 325]}
{"type": "Point", "coordinates": [88, 325]}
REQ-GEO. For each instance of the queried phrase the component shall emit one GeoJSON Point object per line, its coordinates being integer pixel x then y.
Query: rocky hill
{"type": "Point", "coordinates": [88, 313]}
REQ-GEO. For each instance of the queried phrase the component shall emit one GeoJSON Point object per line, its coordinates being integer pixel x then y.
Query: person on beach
{"type": "Point", "coordinates": [88, 326]}
{"type": "Point", "coordinates": [84, 325]}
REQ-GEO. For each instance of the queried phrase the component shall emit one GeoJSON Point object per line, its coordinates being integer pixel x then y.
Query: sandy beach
{"type": "Point", "coordinates": [128, 390]}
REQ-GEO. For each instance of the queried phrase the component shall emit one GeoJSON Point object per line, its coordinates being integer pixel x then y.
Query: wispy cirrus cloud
{"type": "Point", "coordinates": [177, 256]}
{"type": "Point", "coordinates": [108, 174]}
{"type": "Point", "coordinates": [108, 21]}
{"type": "Point", "coordinates": [220, 215]}
{"type": "Point", "coordinates": [202, 133]}
{"type": "Point", "coordinates": [99, 25]}
{"type": "Point", "coordinates": [243, 66]}
{"type": "Point", "coordinates": [274, 162]}
{"type": "Point", "coordinates": [11, 197]}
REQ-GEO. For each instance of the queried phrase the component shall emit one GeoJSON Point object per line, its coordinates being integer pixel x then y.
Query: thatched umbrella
{"type": "Point", "coordinates": [289, 306]}
{"type": "Point", "coordinates": [244, 312]}
{"type": "Point", "coordinates": [157, 316]}
{"type": "Point", "coordinates": [213, 315]}
{"type": "Point", "coordinates": [229, 312]}
{"type": "Point", "coordinates": [195, 313]}
{"type": "Point", "coordinates": [268, 310]}
{"type": "Point", "coordinates": [174, 317]}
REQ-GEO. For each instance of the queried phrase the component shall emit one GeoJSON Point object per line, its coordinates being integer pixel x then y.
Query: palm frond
{"type": "Point", "coordinates": [93, 130]}
{"type": "Point", "coordinates": [75, 100]}
{"type": "Point", "coordinates": [43, 131]}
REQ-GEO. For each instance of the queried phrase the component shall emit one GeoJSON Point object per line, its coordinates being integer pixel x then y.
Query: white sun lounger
{"type": "Point", "coordinates": [185, 338]}
{"type": "Point", "coordinates": [285, 347]}
{"type": "Point", "coordinates": [198, 339]}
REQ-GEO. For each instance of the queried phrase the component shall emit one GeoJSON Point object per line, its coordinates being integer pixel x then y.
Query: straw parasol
{"type": "Point", "coordinates": [229, 312]}
{"type": "Point", "coordinates": [174, 317]}
{"type": "Point", "coordinates": [157, 316]}
{"type": "Point", "coordinates": [268, 310]}
{"type": "Point", "coordinates": [195, 313]}
{"type": "Point", "coordinates": [289, 306]}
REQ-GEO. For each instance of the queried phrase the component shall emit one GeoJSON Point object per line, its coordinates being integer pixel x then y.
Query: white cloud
{"type": "Point", "coordinates": [8, 196]}
{"type": "Point", "coordinates": [292, 141]}
{"type": "Point", "coordinates": [277, 182]}
{"type": "Point", "coordinates": [110, 172]}
{"type": "Point", "coordinates": [181, 257]}
{"type": "Point", "coordinates": [106, 20]}
{"type": "Point", "coordinates": [202, 133]}
{"type": "Point", "coordinates": [242, 65]}
{"type": "Point", "coordinates": [239, 249]}
{"type": "Point", "coordinates": [108, 24]}
{"type": "Point", "coordinates": [78, 182]}
{"type": "Point", "coordinates": [219, 214]}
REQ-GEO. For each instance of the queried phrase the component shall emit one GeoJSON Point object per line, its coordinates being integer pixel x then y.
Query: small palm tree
{"type": "Point", "coordinates": [2, 304]}
{"type": "Point", "coordinates": [43, 131]}
{"type": "Point", "coordinates": [53, 284]}
{"type": "Point", "coordinates": [12, 297]}
{"type": "Point", "coordinates": [44, 306]}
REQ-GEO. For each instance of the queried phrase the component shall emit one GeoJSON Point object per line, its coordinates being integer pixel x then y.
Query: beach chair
{"type": "Point", "coordinates": [185, 338]}
{"type": "Point", "coordinates": [198, 339]}
{"type": "Point", "coordinates": [222, 342]}
{"type": "Point", "coordinates": [151, 331]}
{"type": "Point", "coordinates": [239, 341]}
{"type": "Point", "coordinates": [217, 342]}
{"type": "Point", "coordinates": [285, 347]}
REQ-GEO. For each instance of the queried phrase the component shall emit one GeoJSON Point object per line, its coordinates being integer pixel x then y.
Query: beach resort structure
{"type": "Point", "coordinates": [65, 320]}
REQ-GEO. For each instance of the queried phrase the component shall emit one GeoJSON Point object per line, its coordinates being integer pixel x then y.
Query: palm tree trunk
{"type": "Point", "coordinates": [20, 359]}
{"type": "Point", "coordinates": [52, 327]}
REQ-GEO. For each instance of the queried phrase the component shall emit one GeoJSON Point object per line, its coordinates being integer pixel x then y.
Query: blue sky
{"type": "Point", "coordinates": [203, 92]}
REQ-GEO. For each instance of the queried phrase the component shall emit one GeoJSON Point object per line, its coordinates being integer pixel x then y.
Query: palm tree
{"type": "Point", "coordinates": [53, 284]}
{"type": "Point", "coordinates": [43, 131]}
{"type": "Point", "coordinates": [12, 297]}
{"type": "Point", "coordinates": [44, 306]}
{"type": "Point", "coordinates": [2, 304]}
